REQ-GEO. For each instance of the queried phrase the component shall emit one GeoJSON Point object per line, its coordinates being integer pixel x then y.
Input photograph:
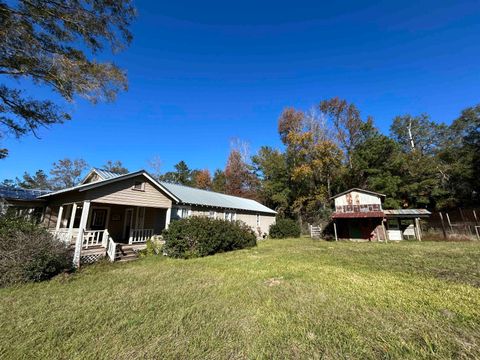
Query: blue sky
{"type": "Point", "coordinates": [202, 73]}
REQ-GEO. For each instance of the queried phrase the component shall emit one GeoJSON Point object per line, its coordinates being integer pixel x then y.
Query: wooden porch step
{"type": "Point", "coordinates": [126, 253]}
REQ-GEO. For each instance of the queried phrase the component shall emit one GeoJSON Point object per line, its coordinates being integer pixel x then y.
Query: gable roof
{"type": "Point", "coordinates": [180, 193]}
{"type": "Point", "coordinates": [95, 184]}
{"type": "Point", "coordinates": [102, 174]}
{"type": "Point", "coordinates": [358, 190]}
{"type": "Point", "coordinates": [14, 193]}
{"type": "Point", "coordinates": [192, 196]}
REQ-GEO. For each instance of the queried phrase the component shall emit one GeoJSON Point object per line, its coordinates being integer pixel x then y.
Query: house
{"type": "Point", "coordinates": [359, 215]}
{"type": "Point", "coordinates": [114, 215]}
{"type": "Point", "coordinates": [22, 202]}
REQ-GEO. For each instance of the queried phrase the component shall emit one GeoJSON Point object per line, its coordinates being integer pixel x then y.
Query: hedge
{"type": "Point", "coordinates": [29, 253]}
{"type": "Point", "coordinates": [285, 228]}
{"type": "Point", "coordinates": [200, 236]}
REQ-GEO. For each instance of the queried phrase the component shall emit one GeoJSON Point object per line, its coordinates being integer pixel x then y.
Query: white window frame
{"type": "Point", "coordinates": [212, 214]}
{"type": "Point", "coordinates": [230, 216]}
{"type": "Point", "coordinates": [181, 212]}
{"type": "Point", "coordinates": [258, 220]}
{"type": "Point", "coordinates": [142, 185]}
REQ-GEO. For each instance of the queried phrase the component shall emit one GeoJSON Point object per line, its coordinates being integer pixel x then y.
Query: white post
{"type": "Point", "coordinates": [59, 218]}
{"type": "Point", "coordinates": [335, 229]}
{"type": "Point", "coordinates": [105, 238]}
{"type": "Point", "coordinates": [167, 217]}
{"type": "Point", "coordinates": [419, 231]}
{"type": "Point", "coordinates": [72, 220]}
{"type": "Point", "coordinates": [81, 229]}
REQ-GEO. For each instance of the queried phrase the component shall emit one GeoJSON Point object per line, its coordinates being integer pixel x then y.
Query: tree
{"type": "Point", "coordinates": [460, 157]}
{"type": "Point", "coordinates": [67, 173]}
{"type": "Point", "coordinates": [347, 123]}
{"type": "Point", "coordinates": [181, 175]}
{"type": "Point", "coordinates": [203, 180]}
{"type": "Point", "coordinates": [8, 183]}
{"type": "Point", "coordinates": [312, 161]}
{"type": "Point", "coordinates": [271, 167]}
{"type": "Point", "coordinates": [239, 177]}
{"type": "Point", "coordinates": [56, 44]}
{"type": "Point", "coordinates": [219, 181]}
{"type": "Point", "coordinates": [376, 166]}
{"type": "Point", "coordinates": [37, 181]}
{"type": "Point", "coordinates": [115, 167]}
{"type": "Point", "coordinates": [417, 133]}
{"type": "Point", "coordinates": [155, 165]}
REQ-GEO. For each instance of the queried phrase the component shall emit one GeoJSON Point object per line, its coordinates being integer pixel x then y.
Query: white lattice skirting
{"type": "Point", "coordinates": [90, 259]}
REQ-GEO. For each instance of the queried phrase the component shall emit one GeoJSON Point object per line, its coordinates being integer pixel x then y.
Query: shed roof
{"type": "Point", "coordinates": [193, 196]}
{"type": "Point", "coordinates": [398, 213]}
{"type": "Point", "coordinates": [13, 193]}
{"type": "Point", "coordinates": [359, 190]}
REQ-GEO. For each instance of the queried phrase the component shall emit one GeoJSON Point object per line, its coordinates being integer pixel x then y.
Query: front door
{"type": "Point", "coordinates": [127, 226]}
{"type": "Point", "coordinates": [99, 219]}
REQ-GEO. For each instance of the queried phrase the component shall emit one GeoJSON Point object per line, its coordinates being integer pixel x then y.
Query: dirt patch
{"type": "Point", "coordinates": [274, 281]}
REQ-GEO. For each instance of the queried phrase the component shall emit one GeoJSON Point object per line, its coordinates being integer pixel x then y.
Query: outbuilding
{"type": "Point", "coordinates": [359, 215]}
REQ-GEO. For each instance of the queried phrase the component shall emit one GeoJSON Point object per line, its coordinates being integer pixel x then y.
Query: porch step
{"type": "Point", "coordinates": [125, 253]}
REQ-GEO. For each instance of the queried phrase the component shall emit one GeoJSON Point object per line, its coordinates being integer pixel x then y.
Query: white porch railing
{"type": "Point", "coordinates": [111, 249]}
{"type": "Point", "coordinates": [64, 235]}
{"type": "Point", "coordinates": [140, 235]}
{"type": "Point", "coordinates": [95, 238]}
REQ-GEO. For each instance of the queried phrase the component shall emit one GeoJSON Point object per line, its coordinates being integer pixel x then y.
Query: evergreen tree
{"type": "Point", "coordinates": [56, 44]}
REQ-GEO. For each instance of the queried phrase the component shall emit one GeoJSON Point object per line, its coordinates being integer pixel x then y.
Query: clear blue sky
{"type": "Point", "coordinates": [201, 73]}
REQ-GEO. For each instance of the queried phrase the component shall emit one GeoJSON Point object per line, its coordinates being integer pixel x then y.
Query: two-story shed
{"type": "Point", "coordinates": [359, 216]}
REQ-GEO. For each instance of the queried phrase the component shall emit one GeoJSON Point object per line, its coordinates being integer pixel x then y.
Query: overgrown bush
{"type": "Point", "coordinates": [29, 253]}
{"type": "Point", "coordinates": [284, 228]}
{"type": "Point", "coordinates": [200, 236]}
{"type": "Point", "coordinates": [154, 246]}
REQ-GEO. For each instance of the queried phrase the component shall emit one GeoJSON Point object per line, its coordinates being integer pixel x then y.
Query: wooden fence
{"type": "Point", "coordinates": [456, 223]}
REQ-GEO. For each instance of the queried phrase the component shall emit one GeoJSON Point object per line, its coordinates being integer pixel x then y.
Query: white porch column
{"type": "Point", "coordinates": [59, 218]}
{"type": "Point", "coordinates": [81, 229]}
{"type": "Point", "coordinates": [335, 230]}
{"type": "Point", "coordinates": [72, 220]}
{"type": "Point", "coordinates": [167, 217]}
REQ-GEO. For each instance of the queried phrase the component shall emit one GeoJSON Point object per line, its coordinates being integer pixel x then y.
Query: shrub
{"type": "Point", "coordinates": [154, 246]}
{"type": "Point", "coordinates": [200, 236]}
{"type": "Point", "coordinates": [29, 253]}
{"type": "Point", "coordinates": [284, 228]}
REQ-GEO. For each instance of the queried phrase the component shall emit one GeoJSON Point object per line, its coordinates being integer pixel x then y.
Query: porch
{"type": "Point", "coordinates": [95, 230]}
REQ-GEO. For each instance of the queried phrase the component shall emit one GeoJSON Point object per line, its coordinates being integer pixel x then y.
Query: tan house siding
{"type": "Point", "coordinates": [122, 193]}
{"type": "Point", "coordinates": [251, 220]}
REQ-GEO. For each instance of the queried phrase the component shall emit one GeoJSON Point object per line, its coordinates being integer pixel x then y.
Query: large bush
{"type": "Point", "coordinates": [29, 253]}
{"type": "Point", "coordinates": [200, 236]}
{"type": "Point", "coordinates": [284, 228]}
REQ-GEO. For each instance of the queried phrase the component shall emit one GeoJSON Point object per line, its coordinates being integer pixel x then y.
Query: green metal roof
{"type": "Point", "coordinates": [187, 195]}
{"type": "Point", "coordinates": [193, 196]}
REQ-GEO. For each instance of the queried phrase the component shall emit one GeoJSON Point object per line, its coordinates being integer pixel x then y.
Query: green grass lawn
{"type": "Point", "coordinates": [282, 299]}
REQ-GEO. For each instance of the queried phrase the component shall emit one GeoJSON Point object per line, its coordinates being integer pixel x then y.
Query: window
{"type": "Point", "coordinates": [139, 185]}
{"type": "Point", "coordinates": [230, 216]}
{"type": "Point", "coordinates": [258, 220]}
{"type": "Point", "coordinates": [212, 214]}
